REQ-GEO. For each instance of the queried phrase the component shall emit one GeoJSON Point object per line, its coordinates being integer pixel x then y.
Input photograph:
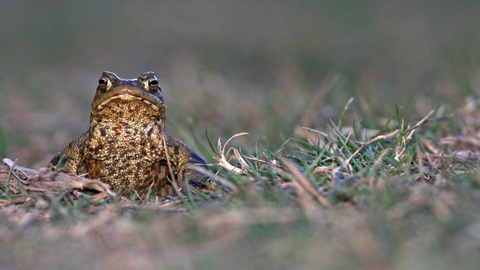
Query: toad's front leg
{"type": "Point", "coordinates": [74, 155]}
{"type": "Point", "coordinates": [182, 157]}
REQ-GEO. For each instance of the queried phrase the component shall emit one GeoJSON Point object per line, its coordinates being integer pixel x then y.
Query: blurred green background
{"type": "Point", "coordinates": [265, 67]}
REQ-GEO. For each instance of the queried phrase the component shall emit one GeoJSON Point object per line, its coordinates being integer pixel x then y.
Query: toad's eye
{"type": "Point", "coordinates": [102, 83]}
{"type": "Point", "coordinates": [153, 84]}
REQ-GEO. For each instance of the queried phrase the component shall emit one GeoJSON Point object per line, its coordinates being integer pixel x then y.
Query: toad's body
{"type": "Point", "coordinates": [124, 146]}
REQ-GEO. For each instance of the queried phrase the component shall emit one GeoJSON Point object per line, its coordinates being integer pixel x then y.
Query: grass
{"type": "Point", "coordinates": [347, 197]}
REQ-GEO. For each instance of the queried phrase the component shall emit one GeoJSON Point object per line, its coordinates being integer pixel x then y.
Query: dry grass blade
{"type": "Point", "coordinates": [40, 182]}
{"type": "Point", "coordinates": [242, 162]}
{"type": "Point", "coordinates": [316, 131]}
{"type": "Point", "coordinates": [378, 138]}
{"type": "Point", "coordinates": [340, 123]}
{"type": "Point", "coordinates": [172, 175]}
{"type": "Point", "coordinates": [215, 177]}
{"type": "Point", "coordinates": [429, 146]}
{"type": "Point", "coordinates": [306, 185]}
{"type": "Point", "coordinates": [419, 124]}
{"type": "Point", "coordinates": [20, 200]}
{"type": "Point", "coordinates": [323, 170]}
{"type": "Point", "coordinates": [407, 136]}
{"type": "Point", "coordinates": [223, 161]}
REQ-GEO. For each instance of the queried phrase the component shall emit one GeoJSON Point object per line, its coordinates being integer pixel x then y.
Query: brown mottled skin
{"type": "Point", "coordinates": [124, 145]}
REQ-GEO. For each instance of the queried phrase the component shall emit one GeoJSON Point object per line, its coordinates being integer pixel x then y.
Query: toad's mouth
{"type": "Point", "coordinates": [127, 97]}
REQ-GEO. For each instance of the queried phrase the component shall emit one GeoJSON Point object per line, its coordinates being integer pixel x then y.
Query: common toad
{"type": "Point", "coordinates": [125, 144]}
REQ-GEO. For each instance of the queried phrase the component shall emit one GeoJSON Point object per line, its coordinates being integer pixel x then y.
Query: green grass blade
{"type": "Point", "coordinates": [214, 149]}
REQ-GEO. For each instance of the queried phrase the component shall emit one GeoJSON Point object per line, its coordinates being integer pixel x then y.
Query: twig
{"type": "Point", "coordinates": [168, 159]}
{"type": "Point", "coordinates": [9, 175]}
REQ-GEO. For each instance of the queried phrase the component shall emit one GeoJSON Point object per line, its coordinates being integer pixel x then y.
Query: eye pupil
{"type": "Point", "coordinates": [153, 84]}
{"type": "Point", "coordinates": [102, 84]}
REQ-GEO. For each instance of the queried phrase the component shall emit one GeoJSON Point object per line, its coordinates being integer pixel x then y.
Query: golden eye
{"type": "Point", "coordinates": [153, 84]}
{"type": "Point", "coordinates": [102, 83]}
